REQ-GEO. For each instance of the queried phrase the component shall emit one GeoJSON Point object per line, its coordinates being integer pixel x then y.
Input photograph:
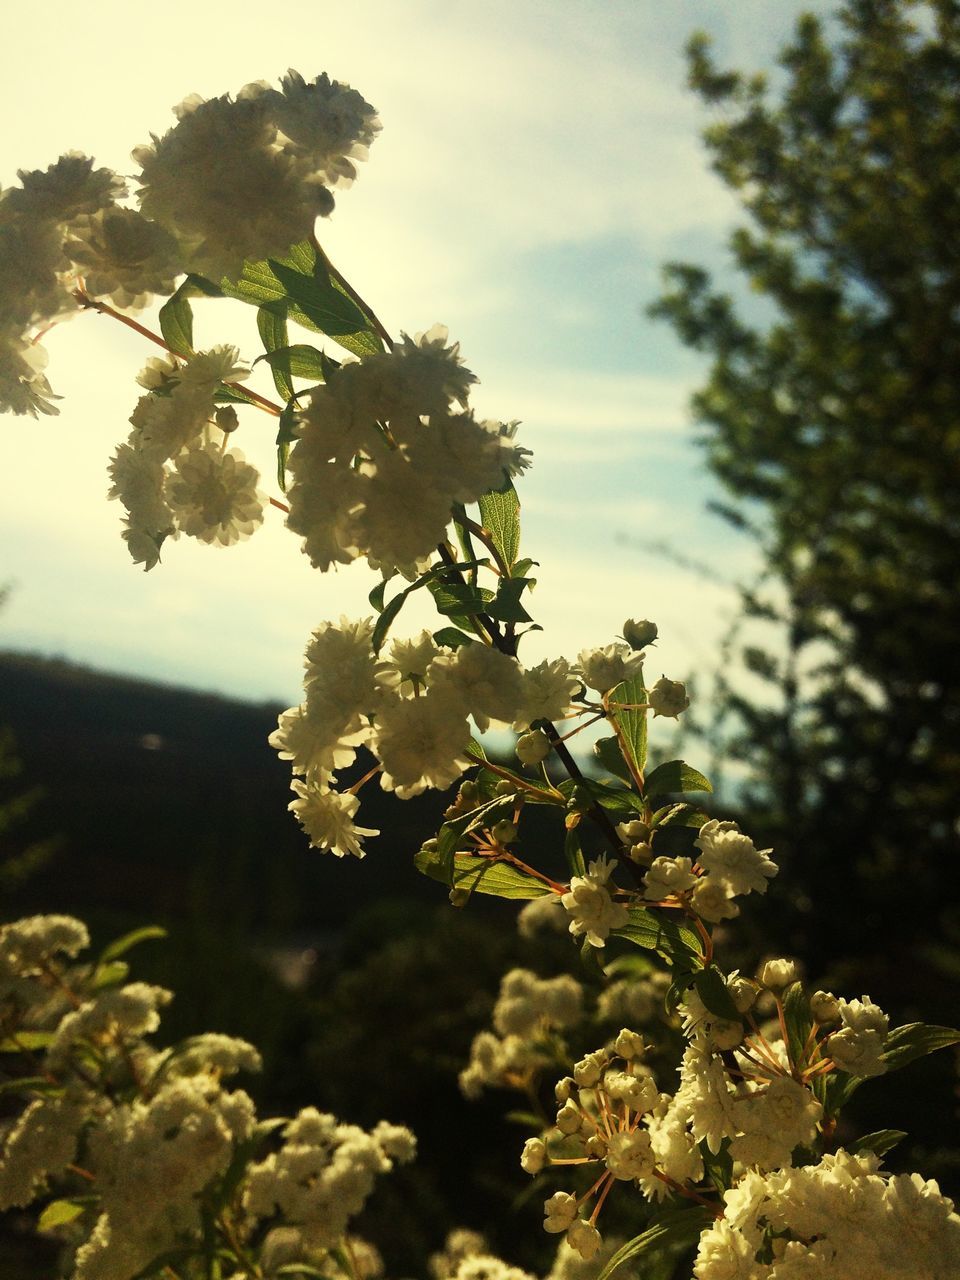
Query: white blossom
{"type": "Point", "coordinates": [592, 910]}
{"type": "Point", "coordinates": [327, 818]}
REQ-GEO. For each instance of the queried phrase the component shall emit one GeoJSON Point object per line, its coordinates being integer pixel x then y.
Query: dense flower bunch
{"type": "Point", "coordinates": [730, 1154]}
{"type": "Point", "coordinates": [174, 473]}
{"type": "Point", "coordinates": [164, 1153]}
{"type": "Point", "coordinates": [234, 179]}
{"type": "Point", "coordinates": [382, 455]}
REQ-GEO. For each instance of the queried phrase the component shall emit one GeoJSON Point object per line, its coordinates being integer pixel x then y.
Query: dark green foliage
{"type": "Point", "coordinates": [835, 427]}
{"type": "Point", "coordinates": [831, 416]}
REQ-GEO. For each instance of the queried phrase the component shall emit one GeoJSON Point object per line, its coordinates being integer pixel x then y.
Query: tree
{"type": "Point", "coordinates": [834, 426]}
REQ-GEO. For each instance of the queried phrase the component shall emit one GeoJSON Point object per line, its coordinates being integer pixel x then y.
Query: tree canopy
{"type": "Point", "coordinates": [831, 416]}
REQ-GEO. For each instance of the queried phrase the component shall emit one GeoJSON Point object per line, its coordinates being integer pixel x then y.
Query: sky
{"type": "Point", "coordinates": [539, 162]}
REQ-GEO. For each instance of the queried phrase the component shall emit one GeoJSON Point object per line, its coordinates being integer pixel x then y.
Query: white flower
{"type": "Point", "coordinates": [603, 669]}
{"type": "Point", "coordinates": [630, 1155]}
{"type": "Point", "coordinates": [214, 495]}
{"type": "Point", "coordinates": [65, 190]}
{"type": "Point", "coordinates": [461, 457]}
{"type": "Point", "coordinates": [24, 388]}
{"type": "Point", "coordinates": [638, 1092]}
{"type": "Point", "coordinates": [547, 691]}
{"type": "Point", "coordinates": [668, 876]}
{"type": "Point", "coordinates": [486, 681]}
{"type": "Point", "coordinates": [560, 1211]}
{"type": "Point", "coordinates": [591, 909]}
{"type": "Point", "coordinates": [123, 256]}
{"type": "Point", "coordinates": [724, 1254]}
{"type": "Point", "coordinates": [327, 818]}
{"type": "Point", "coordinates": [774, 1119]}
{"type": "Point", "coordinates": [731, 859]}
{"type": "Point", "coordinates": [403, 517]}
{"type": "Point", "coordinates": [668, 697]}
{"type": "Point", "coordinates": [584, 1237]}
{"type": "Point", "coordinates": [409, 659]}
{"type": "Point", "coordinates": [711, 900]}
{"type": "Point", "coordinates": [421, 743]}
{"type": "Point", "coordinates": [42, 1141]}
{"type": "Point", "coordinates": [858, 1052]}
{"type": "Point", "coordinates": [323, 124]}
{"type": "Point", "coordinates": [534, 1156]}
{"type": "Point", "coordinates": [533, 747]}
{"type": "Point", "coordinates": [777, 974]}
{"type": "Point", "coordinates": [219, 182]}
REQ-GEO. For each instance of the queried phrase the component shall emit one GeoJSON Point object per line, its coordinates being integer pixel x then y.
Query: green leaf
{"type": "Point", "coordinates": [632, 724]}
{"type": "Point", "coordinates": [110, 975]}
{"type": "Point", "coordinates": [679, 815]}
{"type": "Point", "coordinates": [675, 776]}
{"type": "Point", "coordinates": [879, 1143]}
{"type": "Point", "coordinates": [719, 1167]}
{"type": "Point", "coordinates": [272, 324]}
{"type": "Point", "coordinates": [458, 599]}
{"type": "Point", "coordinates": [452, 638]}
{"type": "Point", "coordinates": [915, 1040]}
{"type": "Point", "coordinates": [31, 1084]}
{"type": "Point", "coordinates": [25, 1041]}
{"type": "Point", "coordinates": [476, 751]}
{"type": "Point", "coordinates": [574, 853]}
{"type": "Point", "coordinates": [301, 281]}
{"type": "Point", "coordinates": [500, 516]}
{"type": "Point", "coordinates": [674, 1226]}
{"type": "Point", "coordinates": [655, 932]}
{"type": "Point", "coordinates": [480, 875]}
{"type": "Point", "coordinates": [176, 315]}
{"type": "Point", "coordinates": [452, 832]}
{"type": "Point", "coordinates": [607, 751]}
{"type": "Point", "coordinates": [330, 309]}
{"type": "Point", "coordinates": [799, 1020]}
{"type": "Point", "coordinates": [712, 990]}
{"type": "Point", "coordinates": [59, 1212]}
{"type": "Point", "coordinates": [286, 434]}
{"type": "Point", "coordinates": [122, 945]}
{"type": "Point", "coordinates": [376, 595]}
{"type": "Point", "coordinates": [300, 359]}
{"type": "Point", "coordinates": [506, 606]}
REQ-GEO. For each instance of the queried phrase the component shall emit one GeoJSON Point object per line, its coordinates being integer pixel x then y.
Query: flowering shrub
{"type": "Point", "coordinates": [159, 1168]}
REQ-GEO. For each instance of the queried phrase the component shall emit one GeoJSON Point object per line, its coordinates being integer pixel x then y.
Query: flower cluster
{"type": "Point", "coordinates": [840, 1218]}
{"type": "Point", "coordinates": [60, 229]}
{"type": "Point", "coordinates": [152, 1133]}
{"type": "Point", "coordinates": [174, 473]}
{"type": "Point", "coordinates": [728, 865]}
{"type": "Point", "coordinates": [246, 177]}
{"type": "Point", "coordinates": [410, 710]}
{"type": "Point", "coordinates": [382, 456]}
{"type": "Point", "coordinates": [528, 1011]}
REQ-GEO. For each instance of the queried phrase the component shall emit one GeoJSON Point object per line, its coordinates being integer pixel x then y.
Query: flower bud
{"type": "Point", "coordinates": [458, 897]}
{"type": "Point", "coordinates": [668, 697]}
{"type": "Point", "coordinates": [742, 991]}
{"type": "Point", "coordinates": [563, 1088]}
{"type": "Point", "coordinates": [825, 1007]}
{"type": "Point", "coordinates": [226, 418]}
{"type": "Point", "coordinates": [534, 1155]}
{"type": "Point", "coordinates": [503, 832]}
{"type": "Point", "coordinates": [584, 1238]}
{"type": "Point", "coordinates": [633, 832]}
{"type": "Point", "coordinates": [504, 788]}
{"type": "Point", "coordinates": [559, 1211]}
{"type": "Point", "coordinates": [639, 634]}
{"type": "Point", "coordinates": [629, 1044]}
{"type": "Point", "coordinates": [779, 973]}
{"type": "Point", "coordinates": [569, 1117]}
{"type": "Point", "coordinates": [533, 747]}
